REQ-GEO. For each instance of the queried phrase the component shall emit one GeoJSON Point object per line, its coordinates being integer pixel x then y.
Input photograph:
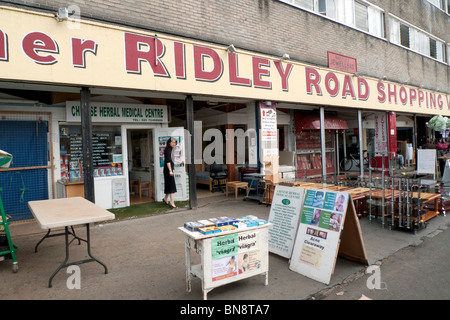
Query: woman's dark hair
{"type": "Point", "coordinates": [168, 142]}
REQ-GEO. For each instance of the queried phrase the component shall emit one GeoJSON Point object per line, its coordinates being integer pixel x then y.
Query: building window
{"type": "Point", "coordinates": [404, 35]}
{"type": "Point", "coordinates": [361, 17]}
{"type": "Point", "coordinates": [416, 40]}
{"type": "Point", "coordinates": [357, 14]}
{"type": "Point", "coordinates": [448, 53]}
{"type": "Point", "coordinates": [444, 5]}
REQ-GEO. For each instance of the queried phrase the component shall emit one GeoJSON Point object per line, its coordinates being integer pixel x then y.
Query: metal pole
{"type": "Point", "coordinates": [191, 166]}
{"type": "Point", "coordinates": [360, 141]}
{"type": "Point", "coordinates": [414, 139]}
{"type": "Point", "coordinates": [322, 144]}
{"type": "Point", "coordinates": [336, 150]}
{"type": "Point", "coordinates": [86, 136]}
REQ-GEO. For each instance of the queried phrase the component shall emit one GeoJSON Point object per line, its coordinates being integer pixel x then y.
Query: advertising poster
{"type": "Point", "coordinates": [224, 257]}
{"type": "Point", "coordinates": [380, 133]}
{"type": "Point", "coordinates": [317, 241]}
{"type": "Point", "coordinates": [284, 215]}
{"type": "Point", "coordinates": [269, 131]}
{"type": "Point", "coordinates": [119, 196]}
{"type": "Point", "coordinates": [235, 254]}
{"type": "Point", "coordinates": [161, 135]}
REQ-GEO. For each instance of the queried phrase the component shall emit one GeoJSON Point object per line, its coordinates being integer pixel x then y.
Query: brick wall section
{"type": "Point", "coordinates": [272, 27]}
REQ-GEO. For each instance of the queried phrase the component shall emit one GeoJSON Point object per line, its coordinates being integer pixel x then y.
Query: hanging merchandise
{"type": "Point", "coordinates": [438, 123]}
{"type": "Point", "coordinates": [5, 159]}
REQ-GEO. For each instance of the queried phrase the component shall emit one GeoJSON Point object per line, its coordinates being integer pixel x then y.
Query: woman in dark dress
{"type": "Point", "coordinates": [169, 180]}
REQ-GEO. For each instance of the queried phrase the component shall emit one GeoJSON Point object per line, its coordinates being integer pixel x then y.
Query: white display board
{"type": "Point", "coordinates": [317, 242]}
{"type": "Point", "coordinates": [426, 161]}
{"type": "Point", "coordinates": [284, 216]}
{"type": "Point", "coordinates": [161, 135]}
{"type": "Point", "coordinates": [119, 194]}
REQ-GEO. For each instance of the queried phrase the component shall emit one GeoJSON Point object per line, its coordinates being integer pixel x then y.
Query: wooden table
{"type": "Point", "coordinates": [65, 213]}
{"type": "Point", "coordinates": [358, 191]}
{"type": "Point", "coordinates": [236, 185]}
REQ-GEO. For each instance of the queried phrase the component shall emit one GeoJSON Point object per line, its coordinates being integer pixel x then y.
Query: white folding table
{"type": "Point", "coordinates": [65, 213]}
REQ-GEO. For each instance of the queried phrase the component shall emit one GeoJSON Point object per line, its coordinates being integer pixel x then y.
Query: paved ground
{"type": "Point", "coordinates": [146, 260]}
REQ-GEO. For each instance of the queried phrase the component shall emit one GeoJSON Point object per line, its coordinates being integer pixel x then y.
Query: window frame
{"type": "Point", "coordinates": [444, 5]}
{"type": "Point", "coordinates": [412, 44]}
{"type": "Point", "coordinates": [341, 17]}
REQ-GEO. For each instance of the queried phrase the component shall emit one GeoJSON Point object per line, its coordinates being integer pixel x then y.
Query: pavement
{"type": "Point", "coordinates": [146, 259]}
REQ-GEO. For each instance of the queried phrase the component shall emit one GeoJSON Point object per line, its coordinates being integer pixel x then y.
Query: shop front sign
{"type": "Point", "coordinates": [116, 112]}
{"type": "Point", "coordinates": [42, 50]}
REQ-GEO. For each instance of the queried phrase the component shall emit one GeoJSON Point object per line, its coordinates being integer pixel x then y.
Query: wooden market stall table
{"type": "Point", "coordinates": [65, 213]}
{"type": "Point", "coordinates": [424, 198]}
{"type": "Point", "coordinates": [209, 270]}
{"type": "Point", "coordinates": [236, 185]}
{"type": "Point", "coordinates": [427, 197]}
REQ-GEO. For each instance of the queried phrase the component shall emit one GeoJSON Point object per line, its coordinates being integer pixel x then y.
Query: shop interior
{"type": "Point", "coordinates": [140, 165]}
{"type": "Point", "coordinates": [299, 147]}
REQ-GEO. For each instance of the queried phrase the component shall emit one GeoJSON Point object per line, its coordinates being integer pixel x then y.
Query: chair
{"type": "Point", "coordinates": [144, 186]}
{"type": "Point", "coordinates": [140, 186]}
{"type": "Point", "coordinates": [219, 177]}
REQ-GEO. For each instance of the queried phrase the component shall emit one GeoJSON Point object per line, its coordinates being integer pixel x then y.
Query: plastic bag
{"type": "Point", "coordinates": [438, 123]}
{"type": "Point", "coordinates": [442, 146]}
{"type": "Point", "coordinates": [5, 159]}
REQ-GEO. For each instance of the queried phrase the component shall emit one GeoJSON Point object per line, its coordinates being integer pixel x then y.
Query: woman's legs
{"type": "Point", "coordinates": [172, 199]}
{"type": "Point", "coordinates": [170, 196]}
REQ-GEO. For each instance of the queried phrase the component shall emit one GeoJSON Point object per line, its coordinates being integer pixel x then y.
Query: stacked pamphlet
{"type": "Point", "coordinates": [223, 224]}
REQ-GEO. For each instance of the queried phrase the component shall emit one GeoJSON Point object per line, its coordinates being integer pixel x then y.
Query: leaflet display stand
{"type": "Point", "coordinates": [328, 226]}
{"type": "Point", "coordinates": [227, 257]}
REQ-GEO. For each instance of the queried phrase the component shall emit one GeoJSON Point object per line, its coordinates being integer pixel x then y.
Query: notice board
{"type": "Point", "coordinates": [322, 221]}
{"type": "Point", "coordinates": [119, 196]}
{"type": "Point", "coordinates": [284, 216]}
{"type": "Point", "coordinates": [426, 161]}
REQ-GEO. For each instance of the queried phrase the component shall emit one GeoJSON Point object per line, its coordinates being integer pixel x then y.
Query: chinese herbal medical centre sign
{"type": "Point", "coordinates": [116, 112]}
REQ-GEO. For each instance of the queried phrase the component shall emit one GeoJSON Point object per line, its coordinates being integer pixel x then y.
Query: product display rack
{"type": "Point", "coordinates": [400, 201]}
{"type": "Point", "coordinates": [309, 155]}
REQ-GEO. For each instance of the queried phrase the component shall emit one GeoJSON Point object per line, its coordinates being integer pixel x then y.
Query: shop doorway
{"type": "Point", "coordinates": [140, 165]}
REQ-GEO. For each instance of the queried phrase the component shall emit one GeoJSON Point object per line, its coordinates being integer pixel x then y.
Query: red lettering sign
{"type": "Point", "coordinates": [403, 95]}
{"type": "Point", "coordinates": [3, 46]}
{"type": "Point", "coordinates": [331, 77]}
{"type": "Point", "coordinates": [36, 42]}
{"type": "Point", "coordinates": [381, 93]}
{"type": "Point", "coordinates": [312, 79]}
{"type": "Point", "coordinates": [392, 93]}
{"type": "Point", "coordinates": [79, 49]}
{"type": "Point", "coordinates": [201, 53]}
{"type": "Point", "coordinates": [284, 74]}
{"type": "Point", "coordinates": [348, 87]}
{"type": "Point", "coordinates": [258, 72]}
{"type": "Point", "coordinates": [233, 71]}
{"type": "Point", "coordinates": [340, 62]}
{"type": "Point", "coordinates": [180, 60]}
{"type": "Point", "coordinates": [139, 48]}
{"type": "Point", "coordinates": [363, 89]}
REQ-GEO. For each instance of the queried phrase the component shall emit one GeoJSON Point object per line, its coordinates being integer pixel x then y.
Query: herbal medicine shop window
{"type": "Point", "coordinates": [106, 152]}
